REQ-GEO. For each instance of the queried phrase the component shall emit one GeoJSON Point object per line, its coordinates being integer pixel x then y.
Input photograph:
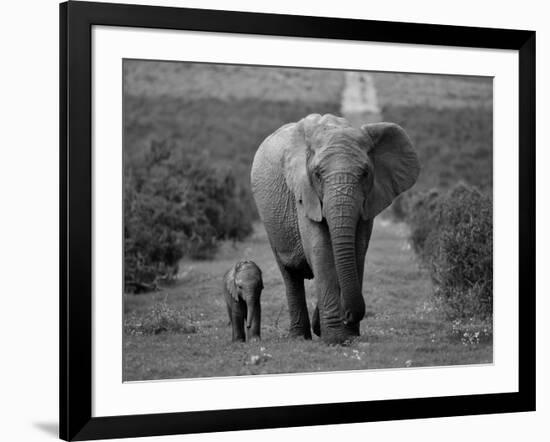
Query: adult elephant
{"type": "Point", "coordinates": [318, 185]}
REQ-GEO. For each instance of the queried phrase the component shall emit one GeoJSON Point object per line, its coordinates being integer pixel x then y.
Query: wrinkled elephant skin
{"type": "Point", "coordinates": [318, 184]}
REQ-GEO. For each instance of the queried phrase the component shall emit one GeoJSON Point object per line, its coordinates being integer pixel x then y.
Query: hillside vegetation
{"type": "Point", "coordinates": [190, 134]}
{"type": "Point", "coordinates": [450, 121]}
{"type": "Point", "coordinates": [223, 110]}
{"type": "Point", "coordinates": [195, 81]}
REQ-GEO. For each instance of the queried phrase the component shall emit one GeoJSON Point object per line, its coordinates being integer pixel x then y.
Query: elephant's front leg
{"type": "Point", "coordinates": [362, 239]}
{"type": "Point", "coordinates": [297, 308]}
{"type": "Point", "coordinates": [328, 319]}
{"type": "Point", "coordinates": [351, 330]}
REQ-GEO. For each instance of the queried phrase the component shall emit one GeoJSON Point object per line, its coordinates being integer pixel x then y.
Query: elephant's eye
{"type": "Point", "coordinates": [317, 174]}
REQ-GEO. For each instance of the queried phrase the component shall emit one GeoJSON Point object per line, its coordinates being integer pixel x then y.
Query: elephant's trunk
{"type": "Point", "coordinates": [342, 209]}
{"type": "Point", "coordinates": [250, 315]}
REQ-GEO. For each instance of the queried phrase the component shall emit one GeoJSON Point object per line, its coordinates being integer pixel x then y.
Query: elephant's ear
{"type": "Point", "coordinates": [396, 165]}
{"type": "Point", "coordinates": [296, 170]}
{"type": "Point", "coordinates": [230, 284]}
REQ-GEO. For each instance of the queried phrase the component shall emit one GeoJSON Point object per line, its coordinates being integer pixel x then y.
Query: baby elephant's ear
{"type": "Point", "coordinates": [396, 165]}
{"type": "Point", "coordinates": [230, 284]}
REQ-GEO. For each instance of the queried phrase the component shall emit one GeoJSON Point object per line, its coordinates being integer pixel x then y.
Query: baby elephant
{"type": "Point", "coordinates": [243, 286]}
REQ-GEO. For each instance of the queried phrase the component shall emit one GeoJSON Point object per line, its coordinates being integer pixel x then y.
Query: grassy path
{"type": "Point", "coordinates": [401, 329]}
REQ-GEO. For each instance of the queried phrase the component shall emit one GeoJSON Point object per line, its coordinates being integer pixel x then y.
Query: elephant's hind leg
{"type": "Point", "coordinates": [296, 297]}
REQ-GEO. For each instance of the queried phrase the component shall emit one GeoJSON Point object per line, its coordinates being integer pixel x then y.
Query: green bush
{"type": "Point", "coordinates": [176, 205]}
{"type": "Point", "coordinates": [453, 235]}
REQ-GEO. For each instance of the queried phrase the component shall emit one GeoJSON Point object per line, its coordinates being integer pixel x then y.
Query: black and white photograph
{"type": "Point", "coordinates": [283, 220]}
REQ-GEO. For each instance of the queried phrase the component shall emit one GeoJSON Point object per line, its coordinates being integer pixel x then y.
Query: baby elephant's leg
{"type": "Point", "coordinates": [238, 317]}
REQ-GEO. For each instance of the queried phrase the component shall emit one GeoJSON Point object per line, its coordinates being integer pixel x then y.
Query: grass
{"type": "Point", "coordinates": [160, 318]}
{"type": "Point", "coordinates": [436, 91]}
{"type": "Point", "coordinates": [230, 82]}
{"type": "Point", "coordinates": [403, 328]}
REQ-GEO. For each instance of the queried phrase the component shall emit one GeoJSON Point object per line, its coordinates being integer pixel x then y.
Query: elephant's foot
{"type": "Point", "coordinates": [334, 331]}
{"type": "Point", "coordinates": [254, 338]}
{"type": "Point", "coordinates": [299, 333]}
{"type": "Point", "coordinates": [341, 335]}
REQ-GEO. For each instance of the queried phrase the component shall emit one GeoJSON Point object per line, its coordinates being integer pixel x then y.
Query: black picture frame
{"type": "Point", "coordinates": [76, 21]}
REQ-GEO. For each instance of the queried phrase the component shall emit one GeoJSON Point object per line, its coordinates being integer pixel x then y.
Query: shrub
{"type": "Point", "coordinates": [161, 318]}
{"type": "Point", "coordinates": [452, 233]}
{"type": "Point", "coordinates": [176, 205]}
{"type": "Point", "coordinates": [420, 212]}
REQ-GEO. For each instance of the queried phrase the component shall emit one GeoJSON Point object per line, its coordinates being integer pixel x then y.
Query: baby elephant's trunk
{"type": "Point", "coordinates": [253, 319]}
